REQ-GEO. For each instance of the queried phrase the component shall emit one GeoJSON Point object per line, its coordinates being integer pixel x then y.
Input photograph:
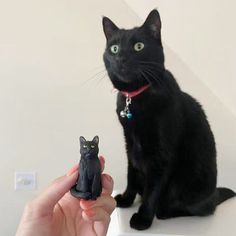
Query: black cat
{"type": "Point", "coordinates": [170, 146]}
{"type": "Point", "coordinates": [88, 185]}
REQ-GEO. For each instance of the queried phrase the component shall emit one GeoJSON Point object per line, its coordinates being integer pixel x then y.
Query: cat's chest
{"type": "Point", "coordinates": [136, 147]}
{"type": "Point", "coordinates": [91, 166]}
{"type": "Point", "coordinates": [137, 155]}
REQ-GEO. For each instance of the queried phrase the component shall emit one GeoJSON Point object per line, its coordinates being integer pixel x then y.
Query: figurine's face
{"type": "Point", "coordinates": [89, 148]}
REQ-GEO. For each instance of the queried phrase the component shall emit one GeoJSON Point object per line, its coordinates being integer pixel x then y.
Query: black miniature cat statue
{"type": "Point", "coordinates": [170, 146]}
{"type": "Point", "coordinates": [88, 185]}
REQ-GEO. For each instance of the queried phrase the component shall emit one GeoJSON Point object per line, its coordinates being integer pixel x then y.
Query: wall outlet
{"type": "Point", "coordinates": [25, 180]}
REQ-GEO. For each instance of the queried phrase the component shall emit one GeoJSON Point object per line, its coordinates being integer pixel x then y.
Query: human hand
{"type": "Point", "coordinates": [56, 213]}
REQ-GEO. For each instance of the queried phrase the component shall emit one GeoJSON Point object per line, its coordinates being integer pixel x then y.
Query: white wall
{"type": "Point", "coordinates": [48, 49]}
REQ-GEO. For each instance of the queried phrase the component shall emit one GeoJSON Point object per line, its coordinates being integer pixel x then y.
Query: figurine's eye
{"type": "Point", "coordinates": [92, 146]}
{"type": "Point", "coordinates": [84, 146]}
{"type": "Point", "coordinates": [114, 48]}
{"type": "Point", "coordinates": [138, 46]}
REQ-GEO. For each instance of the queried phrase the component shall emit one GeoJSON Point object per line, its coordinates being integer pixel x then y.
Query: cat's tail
{"type": "Point", "coordinates": [224, 194]}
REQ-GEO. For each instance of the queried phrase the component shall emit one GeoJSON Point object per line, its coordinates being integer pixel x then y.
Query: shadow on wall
{"type": "Point", "coordinates": [222, 120]}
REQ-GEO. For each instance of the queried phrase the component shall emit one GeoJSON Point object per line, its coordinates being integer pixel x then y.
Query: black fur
{"type": "Point", "coordinates": [170, 146]}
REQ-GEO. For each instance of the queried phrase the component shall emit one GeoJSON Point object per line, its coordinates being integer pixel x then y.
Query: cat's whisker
{"type": "Point", "coordinates": [152, 67]}
{"type": "Point", "coordinates": [163, 85]}
{"type": "Point", "coordinates": [151, 63]}
{"type": "Point", "coordinates": [145, 77]}
{"type": "Point", "coordinates": [152, 77]}
{"type": "Point", "coordinates": [101, 79]}
{"type": "Point", "coordinates": [98, 73]}
{"type": "Point", "coordinates": [98, 68]}
{"type": "Point", "coordinates": [94, 77]}
{"type": "Point", "coordinates": [156, 78]}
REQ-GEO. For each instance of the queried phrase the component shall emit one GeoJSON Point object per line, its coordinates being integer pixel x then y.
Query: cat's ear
{"type": "Point", "coordinates": [82, 140]}
{"type": "Point", "coordinates": [153, 23]}
{"type": "Point", "coordinates": [108, 27]}
{"type": "Point", "coordinates": [96, 139]}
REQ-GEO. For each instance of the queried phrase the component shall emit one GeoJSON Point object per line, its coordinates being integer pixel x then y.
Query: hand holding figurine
{"type": "Point", "coordinates": [57, 212]}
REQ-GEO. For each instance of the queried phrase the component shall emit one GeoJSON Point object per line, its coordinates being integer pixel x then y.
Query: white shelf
{"type": "Point", "coordinates": [223, 222]}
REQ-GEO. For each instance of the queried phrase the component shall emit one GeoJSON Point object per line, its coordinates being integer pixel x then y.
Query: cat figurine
{"type": "Point", "coordinates": [170, 146]}
{"type": "Point", "coordinates": [88, 185]}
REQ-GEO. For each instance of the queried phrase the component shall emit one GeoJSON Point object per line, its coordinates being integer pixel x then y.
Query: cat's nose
{"type": "Point", "coordinates": [122, 64]}
{"type": "Point", "coordinates": [121, 59]}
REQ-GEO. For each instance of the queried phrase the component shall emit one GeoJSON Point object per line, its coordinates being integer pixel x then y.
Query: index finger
{"type": "Point", "coordinates": [102, 163]}
{"type": "Point", "coordinates": [107, 184]}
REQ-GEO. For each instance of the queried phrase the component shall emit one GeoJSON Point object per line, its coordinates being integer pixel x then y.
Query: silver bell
{"type": "Point", "coordinates": [123, 114]}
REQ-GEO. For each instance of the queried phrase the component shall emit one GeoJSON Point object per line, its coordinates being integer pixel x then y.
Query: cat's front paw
{"type": "Point", "coordinates": [140, 222]}
{"type": "Point", "coordinates": [123, 201]}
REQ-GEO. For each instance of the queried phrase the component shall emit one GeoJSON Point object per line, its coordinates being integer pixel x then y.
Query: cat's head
{"type": "Point", "coordinates": [133, 58]}
{"type": "Point", "coordinates": [89, 148]}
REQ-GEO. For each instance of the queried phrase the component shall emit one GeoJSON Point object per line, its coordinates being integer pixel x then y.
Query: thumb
{"type": "Point", "coordinates": [55, 191]}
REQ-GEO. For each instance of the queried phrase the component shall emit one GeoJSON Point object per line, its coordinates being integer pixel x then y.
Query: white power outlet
{"type": "Point", "coordinates": [25, 180]}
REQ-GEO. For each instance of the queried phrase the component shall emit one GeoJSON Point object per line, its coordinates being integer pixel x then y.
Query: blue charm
{"type": "Point", "coordinates": [129, 115]}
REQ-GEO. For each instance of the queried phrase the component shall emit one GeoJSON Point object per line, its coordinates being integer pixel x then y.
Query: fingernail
{"type": "Point", "coordinates": [102, 158]}
{"type": "Point", "coordinates": [90, 213]}
{"type": "Point", "coordinates": [108, 178]}
{"type": "Point", "coordinates": [88, 204]}
{"type": "Point", "coordinates": [72, 170]}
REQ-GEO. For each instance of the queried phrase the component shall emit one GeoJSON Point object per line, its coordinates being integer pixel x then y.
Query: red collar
{"type": "Point", "coordinates": [136, 92]}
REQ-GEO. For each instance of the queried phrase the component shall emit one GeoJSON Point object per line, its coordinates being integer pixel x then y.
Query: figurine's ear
{"type": "Point", "coordinates": [108, 27]}
{"type": "Point", "coordinates": [96, 139]}
{"type": "Point", "coordinates": [153, 23]}
{"type": "Point", "coordinates": [82, 139]}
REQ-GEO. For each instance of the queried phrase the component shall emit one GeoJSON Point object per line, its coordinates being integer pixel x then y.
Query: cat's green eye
{"type": "Point", "coordinates": [84, 146]}
{"type": "Point", "coordinates": [92, 146]}
{"type": "Point", "coordinates": [114, 48]}
{"type": "Point", "coordinates": [138, 46]}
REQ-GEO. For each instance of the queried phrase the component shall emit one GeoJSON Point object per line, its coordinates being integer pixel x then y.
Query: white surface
{"type": "Point", "coordinates": [220, 224]}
